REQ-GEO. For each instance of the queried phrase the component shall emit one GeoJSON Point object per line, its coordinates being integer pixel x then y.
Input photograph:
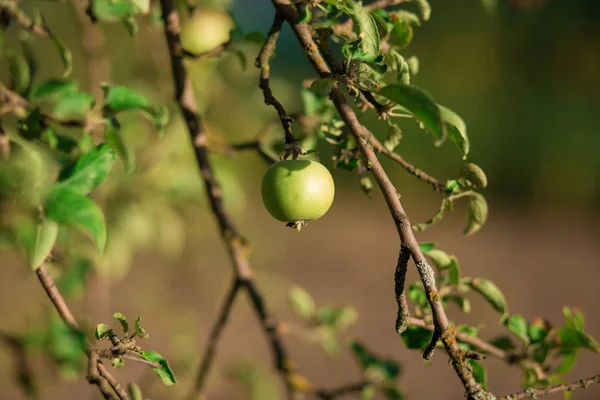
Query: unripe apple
{"type": "Point", "coordinates": [205, 29]}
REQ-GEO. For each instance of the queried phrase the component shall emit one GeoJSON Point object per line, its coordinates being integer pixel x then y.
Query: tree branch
{"type": "Point", "coordinates": [235, 244]}
{"type": "Point", "coordinates": [399, 280]}
{"type": "Point", "coordinates": [536, 393]}
{"type": "Point", "coordinates": [262, 62]}
{"type": "Point", "coordinates": [22, 20]}
{"type": "Point", "coordinates": [330, 394]}
{"type": "Point", "coordinates": [215, 335]}
{"type": "Point", "coordinates": [94, 375]}
{"type": "Point", "coordinates": [411, 169]}
{"type": "Point", "coordinates": [461, 366]}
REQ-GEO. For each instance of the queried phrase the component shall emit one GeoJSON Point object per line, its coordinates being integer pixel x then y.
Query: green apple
{"type": "Point", "coordinates": [296, 191]}
{"type": "Point", "coordinates": [205, 29]}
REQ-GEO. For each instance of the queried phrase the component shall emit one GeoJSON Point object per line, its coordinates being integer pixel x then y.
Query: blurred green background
{"type": "Point", "coordinates": [525, 79]}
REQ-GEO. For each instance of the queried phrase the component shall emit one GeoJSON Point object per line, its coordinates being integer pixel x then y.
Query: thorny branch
{"type": "Point", "coordinates": [262, 62]}
{"type": "Point", "coordinates": [104, 381]}
{"type": "Point", "coordinates": [460, 364]}
{"type": "Point", "coordinates": [235, 244]}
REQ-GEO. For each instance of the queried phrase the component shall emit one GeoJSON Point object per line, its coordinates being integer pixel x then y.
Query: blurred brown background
{"type": "Point", "coordinates": [526, 81]}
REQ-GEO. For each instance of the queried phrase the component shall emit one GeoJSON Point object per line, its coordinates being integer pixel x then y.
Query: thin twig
{"type": "Point", "coordinates": [13, 103]}
{"type": "Point", "coordinates": [404, 228]}
{"type": "Point", "coordinates": [215, 335]}
{"type": "Point", "coordinates": [66, 315]}
{"type": "Point", "coordinates": [411, 169]}
{"type": "Point", "coordinates": [262, 62]}
{"type": "Point", "coordinates": [119, 390]}
{"type": "Point", "coordinates": [536, 393]}
{"type": "Point", "coordinates": [330, 394]}
{"type": "Point", "coordinates": [21, 19]}
{"type": "Point", "coordinates": [235, 244]}
{"type": "Point", "coordinates": [23, 372]}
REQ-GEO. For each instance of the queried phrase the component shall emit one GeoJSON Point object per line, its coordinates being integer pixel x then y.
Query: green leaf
{"type": "Point", "coordinates": [477, 214]}
{"type": "Point", "coordinates": [479, 373]}
{"type": "Point", "coordinates": [122, 320]}
{"type": "Point", "coordinates": [567, 363]}
{"type": "Point", "coordinates": [456, 128]}
{"type": "Point", "coordinates": [119, 98]}
{"type": "Point", "coordinates": [165, 373]}
{"type": "Point", "coordinates": [363, 355]}
{"type": "Point", "coordinates": [415, 337]}
{"type": "Point", "coordinates": [255, 37]}
{"type": "Point", "coordinates": [322, 86]}
{"type": "Point", "coordinates": [20, 74]}
{"type": "Point", "coordinates": [302, 302]}
{"type": "Point", "coordinates": [366, 184]}
{"type": "Point", "coordinates": [66, 206]}
{"type": "Point", "coordinates": [426, 247]}
{"type": "Point", "coordinates": [503, 342]}
{"type": "Point", "coordinates": [424, 9]}
{"type": "Point", "coordinates": [417, 295]}
{"type": "Point", "coordinates": [139, 331]}
{"type": "Point", "coordinates": [440, 258]}
{"type": "Point", "coordinates": [518, 325]}
{"type": "Point", "coordinates": [73, 106]}
{"type": "Point", "coordinates": [453, 272]}
{"type": "Point", "coordinates": [102, 332]}
{"type": "Point", "coordinates": [113, 10]}
{"type": "Point", "coordinates": [337, 317]}
{"type": "Point", "coordinates": [113, 136]}
{"type": "Point", "coordinates": [571, 339]}
{"type": "Point", "coordinates": [130, 25]}
{"type": "Point", "coordinates": [364, 26]}
{"type": "Point", "coordinates": [573, 318]}
{"type": "Point", "coordinates": [490, 292]}
{"type": "Point", "coordinates": [538, 330]}
{"type": "Point", "coordinates": [328, 340]}
{"type": "Point", "coordinates": [463, 303]}
{"type": "Point", "coordinates": [393, 393]}
{"type": "Point", "coordinates": [306, 15]}
{"type": "Point", "coordinates": [474, 174]}
{"type": "Point", "coordinates": [52, 90]}
{"type": "Point", "coordinates": [393, 138]}
{"type": "Point", "coordinates": [118, 362]}
{"type": "Point", "coordinates": [134, 391]}
{"type": "Point", "coordinates": [367, 392]}
{"type": "Point", "coordinates": [89, 171]}
{"type": "Point", "coordinates": [47, 232]}
{"type": "Point", "coordinates": [420, 105]}
{"type": "Point", "coordinates": [65, 54]}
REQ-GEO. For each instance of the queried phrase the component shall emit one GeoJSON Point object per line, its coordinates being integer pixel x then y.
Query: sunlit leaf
{"type": "Point", "coordinates": [165, 373]}
{"type": "Point", "coordinates": [122, 320]}
{"type": "Point", "coordinates": [420, 105]}
{"type": "Point", "coordinates": [479, 373]}
{"type": "Point", "coordinates": [490, 292]}
{"type": "Point", "coordinates": [456, 129]}
{"type": "Point", "coordinates": [302, 302]}
{"type": "Point", "coordinates": [46, 234]}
